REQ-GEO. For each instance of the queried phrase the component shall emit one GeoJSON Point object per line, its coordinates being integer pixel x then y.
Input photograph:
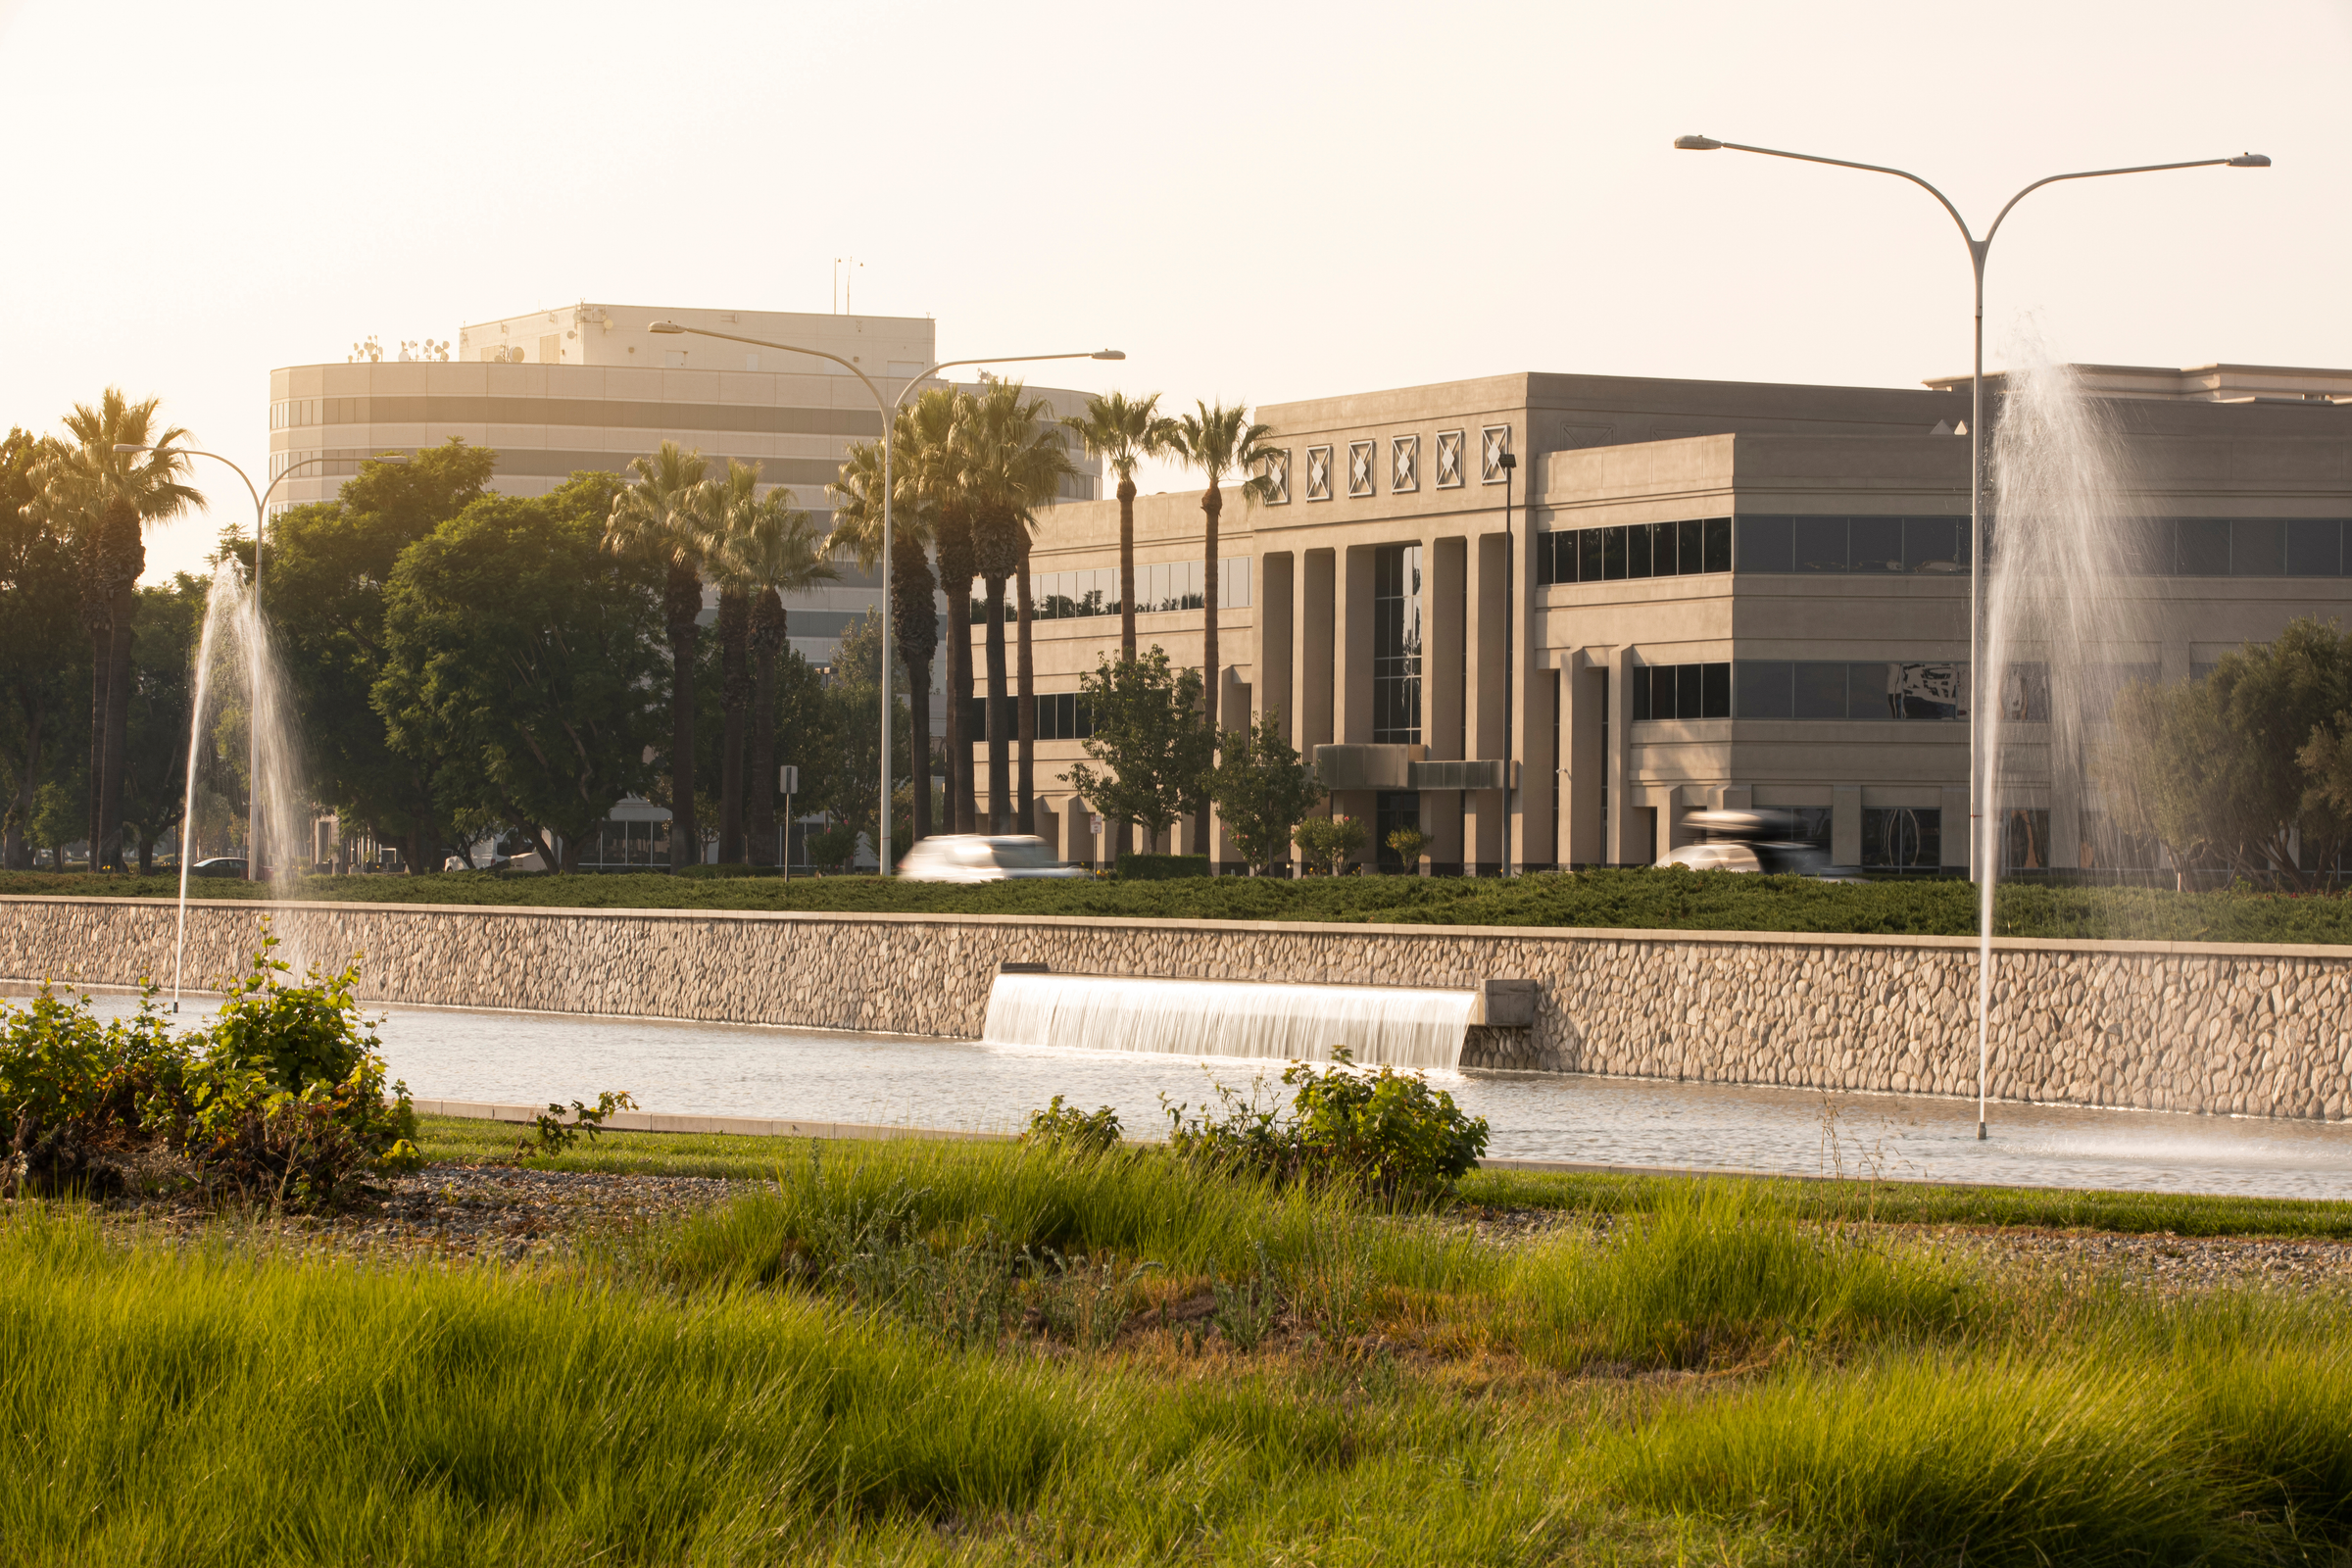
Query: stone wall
{"type": "Point", "coordinates": [2170, 1026]}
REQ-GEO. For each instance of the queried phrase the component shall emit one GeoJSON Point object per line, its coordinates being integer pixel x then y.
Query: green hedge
{"type": "Point", "coordinates": [1161, 868]}
{"type": "Point", "coordinates": [1642, 899]}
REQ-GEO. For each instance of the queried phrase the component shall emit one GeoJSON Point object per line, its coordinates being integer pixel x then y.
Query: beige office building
{"type": "Point", "coordinates": [589, 387]}
{"type": "Point", "coordinates": [1684, 595]}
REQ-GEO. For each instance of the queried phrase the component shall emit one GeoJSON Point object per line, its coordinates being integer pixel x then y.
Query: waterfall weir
{"type": "Point", "coordinates": [1379, 1025]}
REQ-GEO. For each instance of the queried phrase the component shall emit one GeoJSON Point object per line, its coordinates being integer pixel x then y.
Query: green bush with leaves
{"type": "Point", "coordinates": [281, 1097]}
{"type": "Point", "coordinates": [1384, 1133]}
{"type": "Point", "coordinates": [1059, 1126]}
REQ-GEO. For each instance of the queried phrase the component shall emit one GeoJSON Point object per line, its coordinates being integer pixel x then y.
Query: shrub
{"type": "Point", "coordinates": [1060, 1126]}
{"type": "Point", "coordinates": [1385, 1133]}
{"type": "Point", "coordinates": [551, 1134]}
{"type": "Point", "coordinates": [1329, 841]}
{"type": "Point", "coordinates": [1161, 868]}
{"type": "Point", "coordinates": [833, 849]}
{"type": "Point", "coordinates": [75, 1090]}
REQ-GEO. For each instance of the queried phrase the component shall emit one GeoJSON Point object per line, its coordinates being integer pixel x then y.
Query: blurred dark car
{"type": "Point", "coordinates": [220, 866]}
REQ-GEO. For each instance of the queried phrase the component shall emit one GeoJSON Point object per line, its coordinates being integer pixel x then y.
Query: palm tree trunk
{"type": "Point", "coordinates": [735, 696]}
{"type": "Point", "coordinates": [918, 692]}
{"type": "Point", "coordinates": [1213, 507]}
{"type": "Point", "coordinates": [1025, 694]}
{"type": "Point", "coordinates": [1000, 744]}
{"type": "Point", "coordinates": [117, 735]}
{"type": "Point", "coordinates": [681, 601]}
{"type": "Point", "coordinates": [962, 805]}
{"type": "Point", "coordinates": [767, 641]}
{"type": "Point", "coordinates": [1127, 569]}
{"type": "Point", "coordinates": [102, 649]}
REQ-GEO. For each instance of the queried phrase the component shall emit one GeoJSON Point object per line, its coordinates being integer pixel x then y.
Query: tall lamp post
{"type": "Point", "coordinates": [889, 409]}
{"type": "Point", "coordinates": [1979, 784]}
{"type": "Point", "coordinates": [252, 727]}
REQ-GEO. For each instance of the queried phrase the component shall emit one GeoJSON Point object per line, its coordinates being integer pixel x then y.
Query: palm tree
{"type": "Point", "coordinates": [1122, 434]}
{"type": "Point", "coordinates": [1220, 441]}
{"type": "Point", "coordinates": [730, 507]}
{"type": "Point", "coordinates": [913, 607]}
{"type": "Point", "coordinates": [107, 498]}
{"type": "Point", "coordinates": [1013, 461]}
{"type": "Point", "coordinates": [659, 515]}
{"type": "Point", "coordinates": [775, 549]}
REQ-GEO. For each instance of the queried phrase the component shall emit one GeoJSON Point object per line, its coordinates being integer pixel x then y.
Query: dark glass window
{"type": "Point", "coordinates": [1819, 690]}
{"type": "Point", "coordinates": [1612, 554]}
{"type": "Point", "coordinates": [1764, 542]}
{"type": "Point", "coordinates": [2315, 548]}
{"type": "Point", "coordinates": [1821, 544]}
{"type": "Point", "coordinates": [1391, 811]}
{"type": "Point", "coordinates": [1764, 690]}
{"type": "Point", "coordinates": [1715, 690]}
{"type": "Point", "coordinates": [2147, 547]}
{"type": "Point", "coordinates": [2203, 547]}
{"type": "Point", "coordinates": [1397, 645]}
{"type": "Point", "coordinates": [1902, 837]}
{"type": "Point", "coordinates": [1638, 687]}
{"type": "Point", "coordinates": [1682, 691]}
{"type": "Point", "coordinates": [1877, 543]}
{"type": "Point", "coordinates": [1932, 545]}
{"type": "Point", "coordinates": [2257, 548]}
{"type": "Point", "coordinates": [1591, 547]}
{"type": "Point", "coordinates": [1717, 551]}
{"type": "Point", "coordinates": [1686, 686]}
{"type": "Point", "coordinates": [1063, 716]}
{"type": "Point", "coordinates": [1690, 551]}
{"type": "Point", "coordinates": [1640, 551]}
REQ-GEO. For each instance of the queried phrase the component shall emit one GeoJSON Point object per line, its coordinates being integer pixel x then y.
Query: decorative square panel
{"type": "Point", "coordinates": [1450, 460]}
{"type": "Point", "coordinates": [1277, 472]}
{"type": "Point", "coordinates": [1360, 468]}
{"type": "Point", "coordinates": [1404, 463]}
{"type": "Point", "coordinates": [1319, 473]}
{"type": "Point", "coordinates": [1493, 442]}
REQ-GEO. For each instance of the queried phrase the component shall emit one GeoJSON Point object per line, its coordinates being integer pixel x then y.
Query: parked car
{"type": "Point", "coordinates": [1758, 841]}
{"type": "Point", "coordinates": [981, 857]}
{"type": "Point", "coordinates": [220, 866]}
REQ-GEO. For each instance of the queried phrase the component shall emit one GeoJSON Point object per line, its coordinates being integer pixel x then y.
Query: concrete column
{"type": "Point", "coordinates": [1315, 661]}
{"type": "Point", "coordinates": [1845, 824]}
{"type": "Point", "coordinates": [1485, 687]}
{"type": "Point", "coordinates": [1628, 828]}
{"type": "Point", "coordinates": [1351, 643]}
{"type": "Point", "coordinates": [1530, 822]}
{"type": "Point", "coordinates": [1443, 672]}
{"type": "Point", "coordinates": [1583, 686]}
{"type": "Point", "coordinates": [1276, 616]}
{"type": "Point", "coordinates": [1665, 802]}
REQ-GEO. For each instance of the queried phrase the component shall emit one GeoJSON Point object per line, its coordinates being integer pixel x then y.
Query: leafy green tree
{"type": "Point", "coordinates": [1220, 441]}
{"type": "Point", "coordinates": [853, 700]}
{"type": "Point", "coordinates": [527, 655]}
{"type": "Point", "coordinates": [1262, 791]}
{"type": "Point", "coordinates": [659, 517]}
{"type": "Point", "coordinates": [1330, 841]}
{"type": "Point", "coordinates": [42, 656]}
{"type": "Point", "coordinates": [106, 499]}
{"type": "Point", "coordinates": [1155, 757]}
{"type": "Point", "coordinates": [171, 620]}
{"type": "Point", "coordinates": [327, 568]}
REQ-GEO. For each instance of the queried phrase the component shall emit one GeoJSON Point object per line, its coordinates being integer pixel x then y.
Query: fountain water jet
{"type": "Point", "coordinates": [235, 654]}
{"type": "Point", "coordinates": [2062, 628]}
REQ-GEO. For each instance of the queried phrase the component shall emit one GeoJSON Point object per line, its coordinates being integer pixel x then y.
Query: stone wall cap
{"type": "Point", "coordinates": [1477, 933]}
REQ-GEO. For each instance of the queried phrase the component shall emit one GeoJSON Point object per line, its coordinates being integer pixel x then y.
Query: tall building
{"type": "Point", "coordinates": [589, 387]}
{"type": "Point", "coordinates": [1682, 594]}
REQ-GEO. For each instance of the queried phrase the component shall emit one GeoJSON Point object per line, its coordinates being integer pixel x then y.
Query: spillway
{"type": "Point", "coordinates": [1393, 1025]}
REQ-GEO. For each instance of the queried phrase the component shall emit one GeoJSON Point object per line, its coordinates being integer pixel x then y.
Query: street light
{"type": "Point", "coordinates": [1977, 249]}
{"type": "Point", "coordinates": [252, 727]}
{"type": "Point", "coordinates": [889, 409]}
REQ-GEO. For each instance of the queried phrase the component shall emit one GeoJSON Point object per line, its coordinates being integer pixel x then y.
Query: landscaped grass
{"type": "Point", "coordinates": [1638, 898]}
{"type": "Point", "coordinates": [464, 1140]}
{"type": "Point", "coordinates": [796, 1379]}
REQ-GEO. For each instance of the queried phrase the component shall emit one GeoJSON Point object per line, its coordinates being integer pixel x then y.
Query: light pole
{"type": "Point", "coordinates": [253, 722]}
{"type": "Point", "coordinates": [1979, 784]}
{"type": "Point", "coordinates": [889, 409]}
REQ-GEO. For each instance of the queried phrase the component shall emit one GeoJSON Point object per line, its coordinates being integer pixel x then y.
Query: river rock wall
{"type": "Point", "coordinates": [2163, 1026]}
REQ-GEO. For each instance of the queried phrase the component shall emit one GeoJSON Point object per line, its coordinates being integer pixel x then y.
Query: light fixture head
{"type": "Point", "coordinates": [1506, 461]}
{"type": "Point", "coordinates": [665, 329]}
{"type": "Point", "coordinates": [1697, 144]}
{"type": "Point", "coordinates": [2251, 161]}
{"type": "Point", "coordinates": [1110, 353]}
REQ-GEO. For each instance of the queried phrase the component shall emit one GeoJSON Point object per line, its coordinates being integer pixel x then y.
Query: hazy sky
{"type": "Point", "coordinates": [1260, 201]}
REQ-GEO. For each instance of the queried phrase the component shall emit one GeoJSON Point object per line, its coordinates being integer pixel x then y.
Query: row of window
{"type": "Point", "coordinates": [2154, 547]}
{"type": "Point", "coordinates": [1160, 586]}
{"type": "Point", "coordinates": [760, 418]}
{"type": "Point", "coordinates": [1683, 549]}
{"type": "Point", "coordinates": [1682, 691]}
{"type": "Point", "coordinates": [1934, 545]}
{"type": "Point", "coordinates": [1061, 716]}
{"type": "Point", "coordinates": [1778, 688]}
{"type": "Point", "coordinates": [1404, 465]}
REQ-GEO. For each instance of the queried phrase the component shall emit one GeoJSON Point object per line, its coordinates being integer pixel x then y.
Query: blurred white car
{"type": "Point", "coordinates": [980, 857]}
{"type": "Point", "coordinates": [1754, 841]}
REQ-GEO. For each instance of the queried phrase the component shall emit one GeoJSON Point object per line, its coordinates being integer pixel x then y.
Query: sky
{"type": "Point", "coordinates": [1257, 202]}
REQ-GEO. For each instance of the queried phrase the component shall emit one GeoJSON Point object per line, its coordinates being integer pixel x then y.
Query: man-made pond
{"type": "Point", "coordinates": [734, 1071]}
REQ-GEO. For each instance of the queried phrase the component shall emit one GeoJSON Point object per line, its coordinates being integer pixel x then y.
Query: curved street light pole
{"type": "Point", "coordinates": [253, 726]}
{"type": "Point", "coordinates": [1980, 784]}
{"type": "Point", "coordinates": [889, 411]}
